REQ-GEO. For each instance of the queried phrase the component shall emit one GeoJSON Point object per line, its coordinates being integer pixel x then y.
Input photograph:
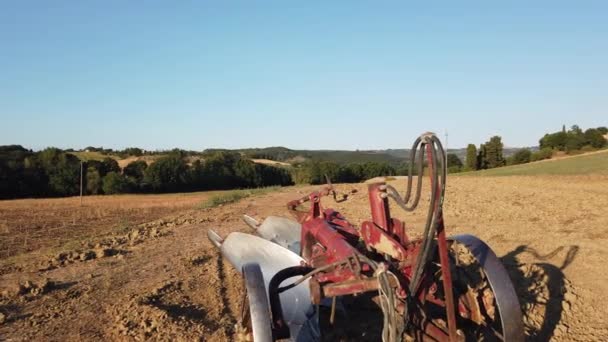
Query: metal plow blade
{"type": "Point", "coordinates": [241, 249]}
{"type": "Point", "coordinates": [280, 230]}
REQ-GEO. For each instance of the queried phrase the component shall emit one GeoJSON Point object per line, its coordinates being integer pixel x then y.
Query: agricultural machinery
{"type": "Point", "coordinates": [299, 274]}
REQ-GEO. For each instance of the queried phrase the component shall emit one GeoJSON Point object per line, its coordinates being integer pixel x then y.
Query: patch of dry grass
{"type": "Point", "coordinates": [234, 196]}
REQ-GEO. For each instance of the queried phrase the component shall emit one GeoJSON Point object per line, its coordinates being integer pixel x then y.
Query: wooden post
{"type": "Point", "coordinates": [81, 183]}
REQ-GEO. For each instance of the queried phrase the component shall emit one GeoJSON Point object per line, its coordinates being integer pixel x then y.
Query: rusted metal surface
{"type": "Point", "coordinates": [350, 287]}
{"type": "Point", "coordinates": [378, 201]}
{"type": "Point", "coordinates": [382, 242]}
{"type": "Point", "coordinates": [447, 282]}
{"type": "Point", "coordinates": [353, 287]}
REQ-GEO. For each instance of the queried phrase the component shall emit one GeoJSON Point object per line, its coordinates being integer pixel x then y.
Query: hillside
{"type": "Point", "coordinates": [403, 153]}
{"type": "Point", "coordinates": [393, 157]}
{"type": "Point", "coordinates": [590, 163]}
{"type": "Point", "coordinates": [283, 154]}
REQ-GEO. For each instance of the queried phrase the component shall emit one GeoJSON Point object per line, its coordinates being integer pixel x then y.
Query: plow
{"type": "Point", "coordinates": [300, 273]}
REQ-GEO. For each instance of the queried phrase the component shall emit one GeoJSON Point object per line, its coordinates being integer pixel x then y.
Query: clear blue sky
{"type": "Point", "coordinates": [301, 74]}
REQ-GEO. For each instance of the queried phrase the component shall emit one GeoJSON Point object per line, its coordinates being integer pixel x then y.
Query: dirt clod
{"type": "Point", "coordinates": [34, 289]}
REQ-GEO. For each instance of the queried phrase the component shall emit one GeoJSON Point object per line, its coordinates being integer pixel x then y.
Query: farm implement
{"type": "Point", "coordinates": [298, 274]}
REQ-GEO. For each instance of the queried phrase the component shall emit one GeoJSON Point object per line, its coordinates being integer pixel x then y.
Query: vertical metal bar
{"type": "Point", "coordinates": [447, 281]}
{"type": "Point", "coordinates": [444, 260]}
{"type": "Point", "coordinates": [381, 215]}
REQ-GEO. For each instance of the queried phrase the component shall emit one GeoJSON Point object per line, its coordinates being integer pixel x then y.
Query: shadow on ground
{"type": "Point", "coordinates": [541, 289]}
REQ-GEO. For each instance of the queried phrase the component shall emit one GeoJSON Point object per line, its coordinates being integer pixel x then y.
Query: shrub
{"type": "Point", "coordinates": [453, 160]}
{"type": "Point", "coordinates": [544, 153]}
{"type": "Point", "coordinates": [233, 196]}
{"type": "Point", "coordinates": [521, 157]}
{"type": "Point", "coordinates": [454, 169]}
{"type": "Point", "coordinates": [588, 148]}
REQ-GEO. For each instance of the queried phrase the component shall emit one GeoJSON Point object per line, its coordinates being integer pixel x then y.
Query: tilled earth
{"type": "Point", "coordinates": [163, 280]}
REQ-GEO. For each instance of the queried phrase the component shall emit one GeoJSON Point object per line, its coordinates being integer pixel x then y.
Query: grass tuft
{"type": "Point", "coordinates": [234, 196]}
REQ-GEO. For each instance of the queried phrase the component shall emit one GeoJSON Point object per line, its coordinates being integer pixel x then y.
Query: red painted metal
{"type": "Point", "coordinates": [378, 201]}
{"type": "Point", "coordinates": [375, 237]}
{"type": "Point", "coordinates": [331, 242]}
{"type": "Point", "coordinates": [445, 263]}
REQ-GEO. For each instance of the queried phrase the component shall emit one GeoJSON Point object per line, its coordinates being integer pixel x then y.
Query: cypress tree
{"type": "Point", "coordinates": [471, 160]}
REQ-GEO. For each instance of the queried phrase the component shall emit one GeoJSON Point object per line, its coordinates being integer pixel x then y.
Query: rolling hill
{"type": "Point", "coordinates": [589, 163]}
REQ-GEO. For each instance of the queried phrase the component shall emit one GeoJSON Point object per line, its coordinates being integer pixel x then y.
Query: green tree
{"type": "Point", "coordinates": [93, 181]}
{"type": "Point", "coordinates": [482, 162]}
{"type": "Point", "coordinates": [109, 165]}
{"type": "Point", "coordinates": [575, 130]}
{"type": "Point", "coordinates": [556, 141]}
{"type": "Point", "coordinates": [271, 175]}
{"type": "Point", "coordinates": [454, 163]}
{"type": "Point", "coordinates": [133, 151]}
{"type": "Point", "coordinates": [135, 170]}
{"type": "Point", "coordinates": [453, 160]}
{"type": "Point", "coordinates": [218, 172]}
{"type": "Point", "coordinates": [594, 138]}
{"type": "Point", "coordinates": [328, 169]}
{"type": "Point", "coordinates": [63, 171]}
{"type": "Point", "coordinates": [167, 174]}
{"type": "Point", "coordinates": [246, 172]}
{"type": "Point", "coordinates": [522, 156]}
{"type": "Point", "coordinates": [471, 157]}
{"type": "Point", "coordinates": [493, 153]}
{"type": "Point", "coordinates": [301, 174]}
{"type": "Point", "coordinates": [21, 173]}
{"type": "Point", "coordinates": [115, 183]}
{"type": "Point", "coordinates": [575, 139]}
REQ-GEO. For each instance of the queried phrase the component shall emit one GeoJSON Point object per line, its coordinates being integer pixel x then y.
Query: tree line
{"type": "Point", "coordinates": [315, 172]}
{"type": "Point", "coordinates": [53, 172]}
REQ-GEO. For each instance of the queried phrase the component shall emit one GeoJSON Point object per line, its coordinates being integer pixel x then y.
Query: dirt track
{"type": "Point", "coordinates": [163, 280]}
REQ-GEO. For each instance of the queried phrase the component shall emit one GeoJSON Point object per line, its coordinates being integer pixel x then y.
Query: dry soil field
{"type": "Point", "coordinates": [140, 267]}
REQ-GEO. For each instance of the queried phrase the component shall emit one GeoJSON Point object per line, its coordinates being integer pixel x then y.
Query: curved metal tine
{"type": "Point", "coordinates": [215, 238]}
{"type": "Point", "coordinates": [501, 284]}
{"type": "Point", "coordinates": [282, 231]}
{"type": "Point", "coordinates": [240, 249]}
{"type": "Point", "coordinates": [258, 303]}
{"type": "Point", "coordinates": [251, 222]}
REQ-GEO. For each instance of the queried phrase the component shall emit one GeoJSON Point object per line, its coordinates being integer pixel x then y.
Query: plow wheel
{"type": "Point", "coordinates": [255, 324]}
{"type": "Point", "coordinates": [487, 307]}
